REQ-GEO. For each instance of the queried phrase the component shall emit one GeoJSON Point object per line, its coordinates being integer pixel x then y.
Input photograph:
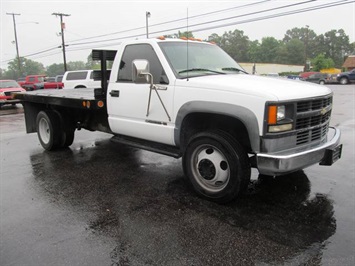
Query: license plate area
{"type": "Point", "coordinates": [332, 155]}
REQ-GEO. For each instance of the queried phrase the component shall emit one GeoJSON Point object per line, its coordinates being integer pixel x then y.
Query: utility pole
{"type": "Point", "coordinates": [306, 67]}
{"type": "Point", "coordinates": [147, 15]}
{"type": "Point", "coordinates": [62, 27]}
{"type": "Point", "coordinates": [17, 51]}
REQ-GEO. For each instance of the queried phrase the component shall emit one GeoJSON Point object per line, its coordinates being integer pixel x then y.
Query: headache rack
{"type": "Point", "coordinates": [104, 73]}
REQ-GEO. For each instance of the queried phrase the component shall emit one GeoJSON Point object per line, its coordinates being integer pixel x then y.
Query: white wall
{"type": "Point", "coordinates": [264, 68]}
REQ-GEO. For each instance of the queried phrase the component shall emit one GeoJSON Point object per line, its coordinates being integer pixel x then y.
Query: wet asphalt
{"type": "Point", "coordinates": [102, 203]}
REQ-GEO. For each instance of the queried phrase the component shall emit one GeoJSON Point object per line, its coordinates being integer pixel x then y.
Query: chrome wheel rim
{"type": "Point", "coordinates": [210, 168]}
{"type": "Point", "coordinates": [44, 130]}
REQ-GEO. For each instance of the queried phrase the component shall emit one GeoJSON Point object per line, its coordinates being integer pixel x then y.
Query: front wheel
{"type": "Point", "coordinates": [322, 82]}
{"type": "Point", "coordinates": [344, 81]}
{"type": "Point", "coordinates": [217, 166]}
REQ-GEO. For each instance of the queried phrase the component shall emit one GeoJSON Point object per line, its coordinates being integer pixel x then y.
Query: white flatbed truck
{"type": "Point", "coordinates": [189, 99]}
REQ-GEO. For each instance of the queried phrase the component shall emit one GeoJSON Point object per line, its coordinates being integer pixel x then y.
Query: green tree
{"type": "Point", "coordinates": [254, 52]}
{"type": "Point", "coordinates": [187, 34]}
{"type": "Point", "coordinates": [94, 64]}
{"type": "Point", "coordinates": [295, 52]}
{"type": "Point", "coordinates": [55, 69]}
{"type": "Point", "coordinates": [268, 49]}
{"type": "Point", "coordinates": [236, 44]}
{"type": "Point", "coordinates": [322, 62]}
{"type": "Point", "coordinates": [215, 38]}
{"type": "Point", "coordinates": [76, 65]}
{"type": "Point", "coordinates": [307, 36]}
{"type": "Point", "coordinates": [352, 48]}
{"type": "Point", "coordinates": [28, 67]}
{"type": "Point", "coordinates": [336, 44]}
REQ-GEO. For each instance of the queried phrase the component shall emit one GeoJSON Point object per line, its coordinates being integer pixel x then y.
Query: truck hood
{"type": "Point", "coordinates": [276, 89]}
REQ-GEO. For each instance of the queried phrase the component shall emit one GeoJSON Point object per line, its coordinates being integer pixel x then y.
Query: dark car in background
{"type": "Point", "coordinates": [319, 78]}
{"type": "Point", "coordinates": [346, 77]}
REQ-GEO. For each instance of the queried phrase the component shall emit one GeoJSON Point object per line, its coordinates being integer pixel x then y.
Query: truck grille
{"type": "Point", "coordinates": [9, 93]}
{"type": "Point", "coordinates": [312, 120]}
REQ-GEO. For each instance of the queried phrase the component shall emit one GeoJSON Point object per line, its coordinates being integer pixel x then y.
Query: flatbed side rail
{"type": "Point", "coordinates": [104, 73]}
{"type": "Point", "coordinates": [78, 99]}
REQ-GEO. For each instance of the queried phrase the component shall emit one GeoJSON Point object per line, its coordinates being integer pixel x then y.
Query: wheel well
{"type": "Point", "coordinates": [80, 87]}
{"type": "Point", "coordinates": [197, 122]}
{"type": "Point", "coordinates": [32, 110]}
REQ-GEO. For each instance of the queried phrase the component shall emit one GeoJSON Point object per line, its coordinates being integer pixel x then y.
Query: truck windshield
{"type": "Point", "coordinates": [9, 84]}
{"type": "Point", "coordinates": [198, 59]}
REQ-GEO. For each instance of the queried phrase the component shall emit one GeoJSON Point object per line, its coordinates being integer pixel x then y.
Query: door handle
{"type": "Point", "coordinates": [115, 93]}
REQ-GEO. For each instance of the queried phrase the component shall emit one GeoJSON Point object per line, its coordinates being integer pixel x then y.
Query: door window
{"type": "Point", "coordinates": [141, 51]}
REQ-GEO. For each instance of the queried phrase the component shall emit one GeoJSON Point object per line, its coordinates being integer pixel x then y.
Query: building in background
{"type": "Point", "coordinates": [349, 63]}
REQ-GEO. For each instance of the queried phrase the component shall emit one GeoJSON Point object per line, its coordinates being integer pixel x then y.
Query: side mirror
{"type": "Point", "coordinates": [140, 72]}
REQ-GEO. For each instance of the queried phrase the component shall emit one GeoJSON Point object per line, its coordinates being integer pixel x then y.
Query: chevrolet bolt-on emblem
{"type": "Point", "coordinates": [323, 111]}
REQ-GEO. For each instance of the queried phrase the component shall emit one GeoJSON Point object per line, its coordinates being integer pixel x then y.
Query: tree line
{"type": "Point", "coordinates": [300, 46]}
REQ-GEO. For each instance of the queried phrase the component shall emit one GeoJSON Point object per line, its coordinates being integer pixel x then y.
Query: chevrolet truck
{"type": "Point", "coordinates": [189, 99]}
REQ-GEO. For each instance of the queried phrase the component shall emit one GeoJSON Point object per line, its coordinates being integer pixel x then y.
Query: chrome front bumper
{"type": "Point", "coordinates": [283, 163]}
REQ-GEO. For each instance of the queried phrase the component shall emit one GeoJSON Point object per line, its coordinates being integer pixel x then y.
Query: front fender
{"type": "Point", "coordinates": [241, 113]}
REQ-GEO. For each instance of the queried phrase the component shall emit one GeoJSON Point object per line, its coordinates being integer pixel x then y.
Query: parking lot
{"type": "Point", "coordinates": [101, 203]}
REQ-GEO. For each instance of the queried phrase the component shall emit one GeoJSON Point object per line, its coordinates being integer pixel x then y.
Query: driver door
{"type": "Point", "coordinates": [128, 102]}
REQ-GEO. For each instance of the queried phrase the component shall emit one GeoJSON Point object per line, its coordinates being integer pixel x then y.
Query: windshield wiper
{"type": "Point", "coordinates": [200, 69]}
{"type": "Point", "coordinates": [234, 69]}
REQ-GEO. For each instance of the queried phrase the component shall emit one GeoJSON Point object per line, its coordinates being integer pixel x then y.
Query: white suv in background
{"type": "Point", "coordinates": [80, 79]}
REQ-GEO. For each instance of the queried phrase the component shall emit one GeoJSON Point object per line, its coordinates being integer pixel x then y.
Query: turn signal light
{"type": "Point", "coordinates": [272, 116]}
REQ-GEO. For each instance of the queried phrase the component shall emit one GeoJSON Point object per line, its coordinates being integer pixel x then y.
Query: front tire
{"type": "Point", "coordinates": [344, 81]}
{"type": "Point", "coordinates": [48, 130]}
{"type": "Point", "coordinates": [322, 82]}
{"type": "Point", "coordinates": [217, 166]}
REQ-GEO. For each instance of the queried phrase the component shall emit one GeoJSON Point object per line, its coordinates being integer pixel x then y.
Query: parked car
{"type": "Point", "coordinates": [305, 75]}
{"type": "Point", "coordinates": [21, 81]}
{"type": "Point", "coordinates": [346, 77]}
{"type": "Point", "coordinates": [33, 82]}
{"type": "Point", "coordinates": [320, 78]}
{"type": "Point", "coordinates": [7, 88]}
{"type": "Point", "coordinates": [80, 79]}
{"type": "Point", "coordinates": [53, 82]}
{"type": "Point", "coordinates": [294, 77]}
{"type": "Point", "coordinates": [333, 79]}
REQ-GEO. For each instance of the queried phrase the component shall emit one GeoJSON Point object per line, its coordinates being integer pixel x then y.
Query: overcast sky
{"type": "Point", "coordinates": [37, 28]}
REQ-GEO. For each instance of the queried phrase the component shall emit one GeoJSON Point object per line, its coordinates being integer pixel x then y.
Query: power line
{"type": "Point", "coordinates": [278, 15]}
{"type": "Point", "coordinates": [322, 6]}
{"type": "Point", "coordinates": [172, 21]}
{"type": "Point", "coordinates": [204, 23]}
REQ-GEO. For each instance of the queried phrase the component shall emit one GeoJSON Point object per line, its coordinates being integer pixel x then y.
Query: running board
{"type": "Point", "coordinates": [148, 145]}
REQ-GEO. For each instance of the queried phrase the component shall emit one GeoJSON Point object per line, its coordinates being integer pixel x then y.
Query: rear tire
{"type": "Point", "coordinates": [217, 166]}
{"type": "Point", "coordinates": [68, 138]}
{"type": "Point", "coordinates": [322, 82]}
{"type": "Point", "coordinates": [48, 130]}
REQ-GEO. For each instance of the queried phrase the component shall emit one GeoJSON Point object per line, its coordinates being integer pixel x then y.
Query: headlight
{"type": "Point", "coordinates": [281, 113]}
{"type": "Point", "coordinates": [276, 114]}
{"type": "Point", "coordinates": [279, 118]}
{"type": "Point", "coordinates": [2, 93]}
